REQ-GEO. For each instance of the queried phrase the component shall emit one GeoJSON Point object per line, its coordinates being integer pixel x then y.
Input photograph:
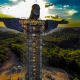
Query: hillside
{"type": "Point", "coordinates": [13, 41]}
{"type": "Point", "coordinates": [10, 43]}
{"type": "Point", "coordinates": [61, 49]}
{"type": "Point", "coordinates": [5, 29]}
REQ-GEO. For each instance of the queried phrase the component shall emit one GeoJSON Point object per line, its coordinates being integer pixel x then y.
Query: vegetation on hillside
{"type": "Point", "coordinates": [16, 42]}
{"type": "Point", "coordinates": [62, 49]}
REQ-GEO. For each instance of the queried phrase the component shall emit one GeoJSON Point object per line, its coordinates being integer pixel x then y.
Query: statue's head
{"type": "Point", "coordinates": [35, 12]}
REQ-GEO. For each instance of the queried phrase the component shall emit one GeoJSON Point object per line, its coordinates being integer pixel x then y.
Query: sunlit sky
{"type": "Point", "coordinates": [66, 9]}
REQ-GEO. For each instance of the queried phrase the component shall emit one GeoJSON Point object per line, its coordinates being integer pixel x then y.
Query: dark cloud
{"type": "Point", "coordinates": [66, 2]}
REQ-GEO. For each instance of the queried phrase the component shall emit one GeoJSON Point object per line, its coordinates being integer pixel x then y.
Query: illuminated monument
{"type": "Point", "coordinates": [34, 42]}
{"type": "Point", "coordinates": [34, 28]}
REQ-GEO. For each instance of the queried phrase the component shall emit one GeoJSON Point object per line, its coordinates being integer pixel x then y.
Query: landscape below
{"type": "Point", "coordinates": [61, 49]}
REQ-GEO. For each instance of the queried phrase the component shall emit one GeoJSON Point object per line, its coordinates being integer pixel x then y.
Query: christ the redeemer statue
{"type": "Point", "coordinates": [34, 38]}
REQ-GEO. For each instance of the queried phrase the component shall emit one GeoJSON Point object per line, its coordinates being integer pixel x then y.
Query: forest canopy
{"type": "Point", "coordinates": [60, 49]}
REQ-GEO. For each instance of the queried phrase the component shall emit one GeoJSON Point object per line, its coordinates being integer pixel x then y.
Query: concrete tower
{"type": "Point", "coordinates": [34, 53]}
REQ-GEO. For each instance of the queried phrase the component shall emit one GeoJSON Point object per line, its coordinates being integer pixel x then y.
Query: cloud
{"type": "Point", "coordinates": [65, 12]}
{"type": "Point", "coordinates": [23, 9]}
{"type": "Point", "coordinates": [58, 11]}
{"type": "Point", "coordinates": [66, 2]}
{"type": "Point", "coordinates": [10, 2]}
{"type": "Point", "coordinates": [72, 12]}
{"type": "Point", "coordinates": [76, 16]}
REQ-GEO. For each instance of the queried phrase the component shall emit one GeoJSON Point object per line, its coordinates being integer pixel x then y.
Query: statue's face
{"type": "Point", "coordinates": [36, 10]}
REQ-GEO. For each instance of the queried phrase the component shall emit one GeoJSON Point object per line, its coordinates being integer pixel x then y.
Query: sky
{"type": "Point", "coordinates": [65, 9]}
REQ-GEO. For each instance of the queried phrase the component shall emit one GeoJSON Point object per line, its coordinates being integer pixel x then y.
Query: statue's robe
{"type": "Point", "coordinates": [13, 23]}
